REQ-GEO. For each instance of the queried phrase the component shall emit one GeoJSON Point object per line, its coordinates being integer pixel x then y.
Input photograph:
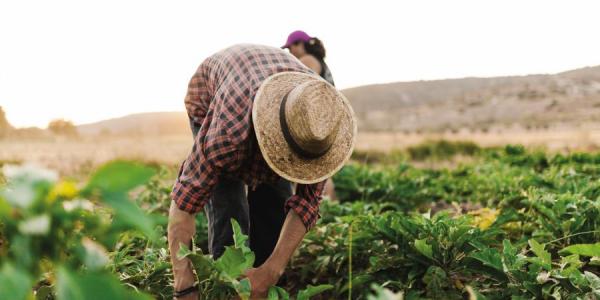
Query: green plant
{"type": "Point", "coordinates": [442, 149]}
{"type": "Point", "coordinates": [520, 224]}
{"type": "Point", "coordinates": [57, 235]}
{"type": "Point", "coordinates": [220, 278]}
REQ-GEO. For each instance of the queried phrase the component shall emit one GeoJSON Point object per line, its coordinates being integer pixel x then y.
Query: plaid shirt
{"type": "Point", "coordinates": [219, 101]}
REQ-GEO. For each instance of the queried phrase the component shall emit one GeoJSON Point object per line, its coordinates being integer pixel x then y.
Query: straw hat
{"type": "Point", "coordinates": [305, 127]}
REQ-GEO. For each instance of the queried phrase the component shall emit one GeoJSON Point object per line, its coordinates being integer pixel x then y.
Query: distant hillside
{"type": "Point", "coordinates": [568, 99]}
{"type": "Point", "coordinates": [535, 101]}
{"type": "Point", "coordinates": [160, 123]}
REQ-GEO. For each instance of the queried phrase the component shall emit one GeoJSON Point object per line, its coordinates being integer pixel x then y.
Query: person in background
{"type": "Point", "coordinates": [311, 52]}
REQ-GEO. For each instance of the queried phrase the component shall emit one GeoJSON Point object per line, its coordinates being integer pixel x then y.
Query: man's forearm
{"type": "Point", "coordinates": [181, 229]}
{"type": "Point", "coordinates": [291, 236]}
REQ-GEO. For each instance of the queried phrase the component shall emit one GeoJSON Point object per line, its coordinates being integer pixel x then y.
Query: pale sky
{"type": "Point", "coordinates": [86, 61]}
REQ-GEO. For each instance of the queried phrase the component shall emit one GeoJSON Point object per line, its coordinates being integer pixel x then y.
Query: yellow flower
{"type": "Point", "coordinates": [64, 190]}
{"type": "Point", "coordinates": [484, 217]}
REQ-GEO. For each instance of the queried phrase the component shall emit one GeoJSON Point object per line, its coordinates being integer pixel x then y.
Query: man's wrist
{"type": "Point", "coordinates": [274, 268]}
{"type": "Point", "coordinates": [185, 277]}
{"type": "Point", "coordinates": [185, 292]}
{"type": "Point", "coordinates": [184, 284]}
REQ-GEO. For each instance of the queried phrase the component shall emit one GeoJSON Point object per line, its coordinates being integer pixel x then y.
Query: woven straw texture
{"type": "Point", "coordinates": [276, 152]}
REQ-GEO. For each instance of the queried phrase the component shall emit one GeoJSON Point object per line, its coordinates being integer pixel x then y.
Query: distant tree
{"type": "Point", "coordinates": [62, 127]}
{"type": "Point", "coordinates": [5, 127]}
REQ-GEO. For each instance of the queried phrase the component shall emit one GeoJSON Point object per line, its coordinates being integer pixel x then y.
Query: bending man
{"type": "Point", "coordinates": [261, 120]}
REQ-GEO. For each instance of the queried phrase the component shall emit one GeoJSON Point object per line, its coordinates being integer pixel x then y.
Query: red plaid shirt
{"type": "Point", "coordinates": [219, 101]}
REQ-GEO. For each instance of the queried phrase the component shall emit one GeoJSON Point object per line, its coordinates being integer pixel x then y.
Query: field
{"type": "Point", "coordinates": [437, 220]}
{"type": "Point", "coordinates": [77, 156]}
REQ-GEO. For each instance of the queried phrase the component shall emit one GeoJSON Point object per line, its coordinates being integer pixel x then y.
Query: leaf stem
{"type": "Point", "coordinates": [572, 235]}
{"type": "Point", "coordinates": [350, 261]}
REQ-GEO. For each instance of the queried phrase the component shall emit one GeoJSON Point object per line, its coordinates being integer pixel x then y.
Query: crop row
{"type": "Point", "coordinates": [509, 223]}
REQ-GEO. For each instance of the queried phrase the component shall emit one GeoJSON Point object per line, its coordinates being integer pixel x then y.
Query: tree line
{"type": "Point", "coordinates": [58, 127]}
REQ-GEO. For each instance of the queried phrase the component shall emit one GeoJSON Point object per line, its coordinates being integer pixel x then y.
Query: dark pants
{"type": "Point", "coordinates": [259, 212]}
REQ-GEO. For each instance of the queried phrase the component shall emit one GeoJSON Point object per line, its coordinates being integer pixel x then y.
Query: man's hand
{"type": "Point", "coordinates": [268, 274]}
{"type": "Point", "coordinates": [261, 279]}
{"type": "Point", "coordinates": [181, 229]}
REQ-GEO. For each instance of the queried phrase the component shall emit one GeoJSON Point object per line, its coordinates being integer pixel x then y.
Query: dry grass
{"type": "Point", "coordinates": [78, 156]}
{"type": "Point", "coordinates": [555, 140]}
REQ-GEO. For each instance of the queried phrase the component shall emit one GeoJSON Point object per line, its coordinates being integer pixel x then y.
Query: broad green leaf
{"type": "Point", "coordinates": [234, 262]}
{"type": "Point", "coordinates": [203, 265]}
{"type": "Point", "coordinates": [582, 249]}
{"type": "Point", "coordinates": [424, 248]}
{"type": "Point", "coordinates": [243, 288]}
{"type": "Point", "coordinates": [277, 293]}
{"type": "Point", "coordinates": [129, 215]}
{"type": "Point", "coordinates": [14, 283]}
{"type": "Point", "coordinates": [593, 280]}
{"type": "Point", "coordinates": [510, 260]}
{"type": "Point", "coordinates": [119, 177]}
{"type": "Point", "coordinates": [489, 257]}
{"type": "Point", "coordinates": [310, 291]}
{"type": "Point", "coordinates": [272, 294]}
{"type": "Point", "coordinates": [570, 264]}
{"type": "Point", "coordinates": [240, 241]}
{"type": "Point", "coordinates": [545, 259]}
{"type": "Point", "coordinates": [507, 215]}
{"type": "Point", "coordinates": [436, 281]}
{"type": "Point", "coordinates": [5, 208]}
{"type": "Point", "coordinates": [577, 278]}
{"type": "Point", "coordinates": [549, 289]}
{"type": "Point", "coordinates": [99, 286]}
{"type": "Point", "coordinates": [239, 238]}
{"type": "Point", "coordinates": [22, 245]}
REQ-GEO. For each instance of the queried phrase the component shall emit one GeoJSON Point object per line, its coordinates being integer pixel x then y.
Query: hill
{"type": "Point", "coordinates": [567, 100]}
{"type": "Point", "coordinates": [570, 99]}
{"type": "Point", "coordinates": [161, 123]}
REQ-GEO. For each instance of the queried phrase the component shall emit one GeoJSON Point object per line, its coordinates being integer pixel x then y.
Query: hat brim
{"type": "Point", "coordinates": [275, 150]}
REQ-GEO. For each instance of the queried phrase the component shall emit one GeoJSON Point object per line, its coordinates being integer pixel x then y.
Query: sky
{"type": "Point", "coordinates": [90, 60]}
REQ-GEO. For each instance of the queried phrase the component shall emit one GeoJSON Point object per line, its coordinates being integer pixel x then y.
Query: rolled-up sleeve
{"type": "Point", "coordinates": [213, 153]}
{"type": "Point", "coordinates": [306, 203]}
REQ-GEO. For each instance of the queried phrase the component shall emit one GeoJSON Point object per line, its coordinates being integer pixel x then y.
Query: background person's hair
{"type": "Point", "coordinates": [315, 48]}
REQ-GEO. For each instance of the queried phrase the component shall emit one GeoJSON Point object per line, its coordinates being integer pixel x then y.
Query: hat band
{"type": "Point", "coordinates": [288, 137]}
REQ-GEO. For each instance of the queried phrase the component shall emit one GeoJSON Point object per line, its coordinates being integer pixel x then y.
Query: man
{"type": "Point", "coordinates": [261, 119]}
